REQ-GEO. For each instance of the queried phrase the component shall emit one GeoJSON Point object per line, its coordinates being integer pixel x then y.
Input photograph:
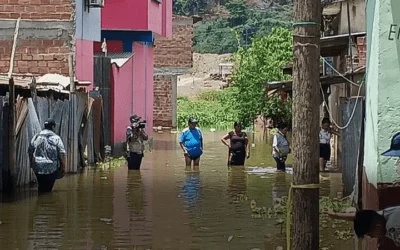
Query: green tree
{"type": "Point", "coordinates": [262, 63]}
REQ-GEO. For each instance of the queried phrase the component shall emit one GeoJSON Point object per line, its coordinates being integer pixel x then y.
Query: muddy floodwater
{"type": "Point", "coordinates": [161, 207]}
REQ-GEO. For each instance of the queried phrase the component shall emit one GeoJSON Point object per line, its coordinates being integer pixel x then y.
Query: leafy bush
{"type": "Point", "coordinates": [213, 109]}
{"type": "Point", "coordinates": [259, 64]}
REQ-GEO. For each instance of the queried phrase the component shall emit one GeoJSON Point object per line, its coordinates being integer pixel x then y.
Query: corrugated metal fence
{"type": "Point", "coordinates": [350, 107]}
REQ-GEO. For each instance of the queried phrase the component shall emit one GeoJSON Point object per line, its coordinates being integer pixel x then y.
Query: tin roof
{"type": "Point", "coordinates": [43, 83]}
{"type": "Point", "coordinates": [118, 58]}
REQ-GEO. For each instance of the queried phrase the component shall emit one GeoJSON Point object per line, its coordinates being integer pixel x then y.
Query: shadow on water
{"type": "Point", "coordinates": [160, 207]}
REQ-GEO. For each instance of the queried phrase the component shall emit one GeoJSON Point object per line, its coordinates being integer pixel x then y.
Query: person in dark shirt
{"type": "Point", "coordinates": [238, 145]}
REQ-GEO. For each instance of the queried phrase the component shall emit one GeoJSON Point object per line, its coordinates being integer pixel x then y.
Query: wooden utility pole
{"type": "Point", "coordinates": [306, 94]}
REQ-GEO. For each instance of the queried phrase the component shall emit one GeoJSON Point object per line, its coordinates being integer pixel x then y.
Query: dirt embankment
{"type": "Point", "coordinates": [203, 65]}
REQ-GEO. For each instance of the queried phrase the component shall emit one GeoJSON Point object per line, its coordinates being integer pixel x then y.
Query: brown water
{"type": "Point", "coordinates": [162, 207]}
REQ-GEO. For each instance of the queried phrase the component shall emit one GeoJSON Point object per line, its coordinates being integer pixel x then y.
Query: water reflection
{"type": "Point", "coordinates": [160, 207]}
{"type": "Point", "coordinates": [192, 192]}
{"type": "Point", "coordinates": [279, 187]}
{"type": "Point", "coordinates": [237, 184]}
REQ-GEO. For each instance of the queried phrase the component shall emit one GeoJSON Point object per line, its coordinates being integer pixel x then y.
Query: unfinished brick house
{"type": "Point", "coordinates": [49, 31]}
{"type": "Point", "coordinates": [172, 57]}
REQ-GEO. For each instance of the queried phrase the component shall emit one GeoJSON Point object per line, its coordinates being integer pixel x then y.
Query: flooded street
{"type": "Point", "coordinates": [162, 207]}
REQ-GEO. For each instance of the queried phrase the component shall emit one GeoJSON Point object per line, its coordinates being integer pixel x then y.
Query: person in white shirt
{"type": "Point", "coordinates": [281, 147]}
{"type": "Point", "coordinates": [325, 135]}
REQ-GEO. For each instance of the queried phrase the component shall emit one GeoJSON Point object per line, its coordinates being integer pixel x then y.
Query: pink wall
{"type": "Point", "coordinates": [124, 15]}
{"type": "Point", "coordinates": [143, 90]}
{"type": "Point", "coordinates": [167, 19]}
{"type": "Point", "coordinates": [155, 15]}
{"type": "Point", "coordinates": [121, 99]}
{"type": "Point", "coordinates": [84, 61]}
{"type": "Point", "coordinates": [142, 15]}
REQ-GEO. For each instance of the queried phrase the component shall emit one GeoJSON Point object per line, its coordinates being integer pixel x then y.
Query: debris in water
{"type": "Point", "coordinates": [253, 204]}
{"type": "Point", "coordinates": [230, 238]}
{"type": "Point", "coordinates": [103, 177]}
{"type": "Point", "coordinates": [107, 220]}
{"type": "Point", "coordinates": [279, 248]}
{"type": "Point", "coordinates": [205, 228]}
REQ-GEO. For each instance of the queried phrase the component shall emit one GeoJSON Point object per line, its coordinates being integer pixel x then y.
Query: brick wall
{"type": "Point", "coordinates": [162, 113]}
{"type": "Point", "coordinates": [45, 35]}
{"type": "Point", "coordinates": [171, 56]}
{"type": "Point", "coordinates": [176, 52]}
{"type": "Point", "coordinates": [362, 50]}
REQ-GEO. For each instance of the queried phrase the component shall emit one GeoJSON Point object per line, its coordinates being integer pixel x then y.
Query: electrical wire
{"type": "Point", "coordinates": [354, 108]}
{"type": "Point", "coordinates": [337, 72]}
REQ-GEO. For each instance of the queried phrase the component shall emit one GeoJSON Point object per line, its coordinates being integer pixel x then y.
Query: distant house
{"type": "Point", "coordinates": [129, 32]}
{"type": "Point", "coordinates": [49, 32]}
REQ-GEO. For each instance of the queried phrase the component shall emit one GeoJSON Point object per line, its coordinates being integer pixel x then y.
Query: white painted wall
{"type": "Point", "coordinates": [88, 22]}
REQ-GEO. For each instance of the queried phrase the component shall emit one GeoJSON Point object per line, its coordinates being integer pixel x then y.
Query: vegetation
{"type": "Point", "coordinates": [262, 63]}
{"type": "Point", "coordinates": [247, 98]}
{"type": "Point", "coordinates": [216, 36]}
{"type": "Point", "coordinates": [213, 109]}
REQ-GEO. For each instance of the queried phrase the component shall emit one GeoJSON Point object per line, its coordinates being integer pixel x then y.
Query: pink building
{"type": "Point", "coordinates": [130, 31]}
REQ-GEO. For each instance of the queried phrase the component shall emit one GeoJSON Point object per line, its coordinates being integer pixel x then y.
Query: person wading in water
{"type": "Point", "coordinates": [325, 135]}
{"type": "Point", "coordinates": [191, 142]}
{"type": "Point", "coordinates": [47, 157]}
{"type": "Point", "coordinates": [135, 137]}
{"type": "Point", "coordinates": [238, 145]}
{"type": "Point", "coordinates": [281, 147]}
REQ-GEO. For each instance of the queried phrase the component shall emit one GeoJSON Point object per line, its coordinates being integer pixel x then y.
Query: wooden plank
{"type": "Point", "coordinates": [11, 137]}
{"type": "Point", "coordinates": [43, 110]}
{"type": "Point", "coordinates": [97, 116]}
{"type": "Point", "coordinates": [22, 112]}
{"type": "Point", "coordinates": [14, 48]}
{"type": "Point", "coordinates": [6, 149]}
{"type": "Point", "coordinates": [1, 143]}
{"type": "Point", "coordinates": [30, 127]}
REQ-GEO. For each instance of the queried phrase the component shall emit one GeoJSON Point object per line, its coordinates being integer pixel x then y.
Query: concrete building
{"type": "Point", "coordinates": [49, 31]}
{"type": "Point", "coordinates": [382, 113]}
{"type": "Point", "coordinates": [130, 31]}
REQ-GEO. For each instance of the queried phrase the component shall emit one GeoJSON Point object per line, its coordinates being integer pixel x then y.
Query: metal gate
{"type": "Point", "coordinates": [351, 108]}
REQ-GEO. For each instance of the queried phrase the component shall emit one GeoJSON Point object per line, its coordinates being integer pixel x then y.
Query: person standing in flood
{"type": "Point", "coordinates": [325, 135]}
{"type": "Point", "coordinates": [191, 142]}
{"type": "Point", "coordinates": [238, 145]}
{"type": "Point", "coordinates": [135, 137]}
{"type": "Point", "coordinates": [47, 157]}
{"type": "Point", "coordinates": [281, 147]}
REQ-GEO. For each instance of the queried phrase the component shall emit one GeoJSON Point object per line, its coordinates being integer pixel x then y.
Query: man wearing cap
{"type": "Point", "coordinates": [135, 137]}
{"type": "Point", "coordinates": [377, 224]}
{"type": "Point", "coordinates": [47, 157]}
{"type": "Point", "coordinates": [191, 142]}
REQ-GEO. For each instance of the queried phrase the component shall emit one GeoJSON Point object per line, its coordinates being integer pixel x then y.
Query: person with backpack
{"type": "Point", "coordinates": [281, 147]}
{"type": "Point", "coordinates": [47, 157]}
{"type": "Point", "coordinates": [238, 145]}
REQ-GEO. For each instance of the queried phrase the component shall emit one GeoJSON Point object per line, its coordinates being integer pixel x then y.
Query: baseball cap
{"type": "Point", "coordinates": [49, 122]}
{"type": "Point", "coordinates": [192, 120]}
{"type": "Point", "coordinates": [134, 118]}
{"type": "Point", "coordinates": [394, 149]}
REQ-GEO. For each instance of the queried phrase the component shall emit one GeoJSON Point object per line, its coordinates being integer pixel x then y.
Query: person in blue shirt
{"type": "Point", "coordinates": [191, 142]}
